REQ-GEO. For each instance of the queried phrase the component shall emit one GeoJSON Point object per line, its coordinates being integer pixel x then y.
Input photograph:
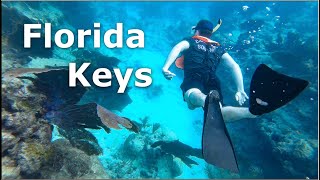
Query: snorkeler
{"type": "Point", "coordinates": [200, 58]}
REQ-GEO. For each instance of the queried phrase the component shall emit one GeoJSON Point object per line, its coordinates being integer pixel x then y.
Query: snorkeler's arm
{"type": "Point", "coordinates": [177, 49]}
{"type": "Point", "coordinates": [241, 96]}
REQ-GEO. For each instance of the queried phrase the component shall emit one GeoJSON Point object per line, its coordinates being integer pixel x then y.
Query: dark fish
{"type": "Point", "coordinates": [180, 150]}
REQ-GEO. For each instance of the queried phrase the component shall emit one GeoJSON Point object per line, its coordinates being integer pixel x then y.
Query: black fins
{"type": "Point", "coordinates": [272, 90]}
{"type": "Point", "coordinates": [269, 88]}
{"type": "Point", "coordinates": [217, 147]}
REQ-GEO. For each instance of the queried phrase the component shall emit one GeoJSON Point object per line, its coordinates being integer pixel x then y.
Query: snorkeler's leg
{"type": "Point", "coordinates": [231, 113]}
{"type": "Point", "coordinates": [195, 98]}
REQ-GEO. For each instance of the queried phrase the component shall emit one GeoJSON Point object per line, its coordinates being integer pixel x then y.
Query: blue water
{"type": "Point", "coordinates": [282, 144]}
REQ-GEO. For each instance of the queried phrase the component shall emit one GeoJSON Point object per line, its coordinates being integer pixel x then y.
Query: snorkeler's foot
{"type": "Point", "coordinates": [213, 96]}
{"type": "Point", "coordinates": [270, 90]}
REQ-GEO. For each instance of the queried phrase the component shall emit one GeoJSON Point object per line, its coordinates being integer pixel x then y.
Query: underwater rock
{"type": "Point", "coordinates": [81, 139]}
{"type": "Point", "coordinates": [136, 157]}
{"type": "Point", "coordinates": [295, 154]}
{"type": "Point", "coordinates": [168, 167]}
{"type": "Point", "coordinates": [9, 169]}
{"type": "Point", "coordinates": [25, 137]}
{"type": "Point", "coordinates": [31, 157]}
{"type": "Point", "coordinates": [214, 172]}
{"type": "Point", "coordinates": [134, 144]}
{"type": "Point", "coordinates": [8, 141]}
{"type": "Point", "coordinates": [69, 162]}
{"type": "Point", "coordinates": [255, 171]}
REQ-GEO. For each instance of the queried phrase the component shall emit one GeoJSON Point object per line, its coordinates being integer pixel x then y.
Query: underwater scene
{"type": "Point", "coordinates": [53, 131]}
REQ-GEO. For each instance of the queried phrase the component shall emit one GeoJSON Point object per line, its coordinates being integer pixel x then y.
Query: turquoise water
{"type": "Point", "coordinates": [283, 35]}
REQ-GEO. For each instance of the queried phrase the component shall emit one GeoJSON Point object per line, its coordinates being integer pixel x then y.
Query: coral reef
{"type": "Point", "coordinates": [27, 150]}
{"type": "Point", "coordinates": [26, 138]}
{"type": "Point", "coordinates": [69, 162]}
{"type": "Point", "coordinates": [81, 139]}
{"type": "Point", "coordinates": [136, 158]}
{"type": "Point", "coordinates": [290, 147]}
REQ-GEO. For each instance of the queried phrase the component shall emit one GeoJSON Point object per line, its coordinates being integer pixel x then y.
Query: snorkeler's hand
{"type": "Point", "coordinates": [167, 74]}
{"type": "Point", "coordinates": [241, 97]}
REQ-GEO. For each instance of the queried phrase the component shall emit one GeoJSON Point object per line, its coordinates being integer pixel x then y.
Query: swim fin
{"type": "Point", "coordinates": [217, 148]}
{"type": "Point", "coordinates": [268, 87]}
{"type": "Point", "coordinates": [270, 90]}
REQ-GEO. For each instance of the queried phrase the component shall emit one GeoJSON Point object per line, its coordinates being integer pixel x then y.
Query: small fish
{"type": "Point", "coordinates": [268, 9]}
{"type": "Point", "coordinates": [245, 8]}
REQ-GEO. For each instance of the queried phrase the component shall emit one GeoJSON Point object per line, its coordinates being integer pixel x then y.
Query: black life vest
{"type": "Point", "coordinates": [200, 58]}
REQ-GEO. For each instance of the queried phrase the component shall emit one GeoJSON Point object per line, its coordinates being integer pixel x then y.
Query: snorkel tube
{"type": "Point", "coordinates": [217, 26]}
